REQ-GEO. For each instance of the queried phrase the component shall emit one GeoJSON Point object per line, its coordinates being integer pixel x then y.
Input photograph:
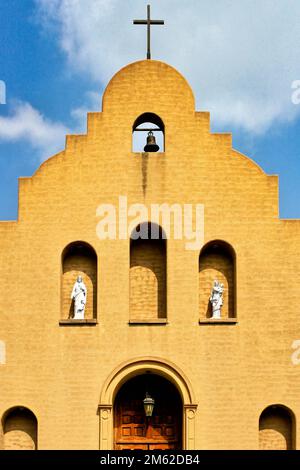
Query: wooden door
{"type": "Point", "coordinates": [133, 430]}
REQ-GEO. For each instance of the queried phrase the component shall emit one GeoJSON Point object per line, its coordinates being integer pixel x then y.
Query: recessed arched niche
{"type": "Point", "coordinates": [148, 274]}
{"type": "Point", "coordinates": [79, 259]}
{"type": "Point", "coordinates": [277, 428]}
{"type": "Point", "coordinates": [20, 429]}
{"type": "Point", "coordinates": [217, 262]}
{"type": "Point", "coordinates": [145, 123]}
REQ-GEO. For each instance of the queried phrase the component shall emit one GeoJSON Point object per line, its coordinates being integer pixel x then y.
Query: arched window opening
{"type": "Point", "coordinates": [79, 260]}
{"type": "Point", "coordinates": [148, 134]}
{"type": "Point", "coordinates": [20, 429]}
{"type": "Point", "coordinates": [217, 285]}
{"type": "Point", "coordinates": [277, 429]}
{"type": "Point", "coordinates": [148, 274]}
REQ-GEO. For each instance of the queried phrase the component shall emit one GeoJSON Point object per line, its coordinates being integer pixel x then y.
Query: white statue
{"type": "Point", "coordinates": [216, 299]}
{"type": "Point", "coordinates": [79, 293]}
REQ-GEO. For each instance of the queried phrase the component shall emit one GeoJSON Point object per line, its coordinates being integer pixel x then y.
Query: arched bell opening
{"type": "Point", "coordinates": [148, 134]}
{"type": "Point", "coordinates": [148, 412]}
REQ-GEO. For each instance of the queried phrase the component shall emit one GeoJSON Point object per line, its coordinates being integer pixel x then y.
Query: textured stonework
{"type": "Point", "coordinates": [235, 370]}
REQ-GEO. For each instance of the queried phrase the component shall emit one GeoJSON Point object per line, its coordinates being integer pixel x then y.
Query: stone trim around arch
{"type": "Point", "coordinates": [139, 366]}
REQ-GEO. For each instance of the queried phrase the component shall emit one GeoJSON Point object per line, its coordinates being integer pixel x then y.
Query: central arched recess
{"type": "Point", "coordinates": [133, 430]}
{"type": "Point", "coordinates": [148, 273]}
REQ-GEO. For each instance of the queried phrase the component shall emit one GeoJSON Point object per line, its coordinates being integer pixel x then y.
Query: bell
{"type": "Point", "coordinates": [151, 143]}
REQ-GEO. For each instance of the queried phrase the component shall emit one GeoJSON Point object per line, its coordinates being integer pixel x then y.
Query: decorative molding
{"type": "Point", "coordinates": [189, 426]}
{"type": "Point", "coordinates": [218, 321]}
{"type": "Point", "coordinates": [105, 427]}
{"type": "Point", "coordinates": [76, 322]}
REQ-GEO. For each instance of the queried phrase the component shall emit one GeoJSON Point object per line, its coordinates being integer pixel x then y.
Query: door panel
{"type": "Point", "coordinates": [132, 447]}
{"type": "Point", "coordinates": [161, 446]}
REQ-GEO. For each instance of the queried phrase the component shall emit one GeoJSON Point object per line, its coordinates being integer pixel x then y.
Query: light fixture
{"type": "Point", "coordinates": [148, 405]}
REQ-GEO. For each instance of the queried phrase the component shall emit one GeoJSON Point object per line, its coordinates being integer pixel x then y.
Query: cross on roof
{"type": "Point", "coordinates": [148, 22]}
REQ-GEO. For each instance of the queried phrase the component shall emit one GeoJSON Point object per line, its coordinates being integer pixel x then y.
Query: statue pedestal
{"type": "Point", "coordinates": [218, 321]}
{"type": "Point", "coordinates": [73, 321]}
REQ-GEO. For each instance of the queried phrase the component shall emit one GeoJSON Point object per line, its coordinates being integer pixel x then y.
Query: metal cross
{"type": "Point", "coordinates": [148, 22]}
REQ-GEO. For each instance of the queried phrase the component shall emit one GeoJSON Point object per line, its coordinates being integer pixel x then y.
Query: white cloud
{"type": "Point", "coordinates": [239, 56]}
{"type": "Point", "coordinates": [26, 124]}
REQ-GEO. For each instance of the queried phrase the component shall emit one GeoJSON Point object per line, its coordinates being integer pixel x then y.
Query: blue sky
{"type": "Point", "coordinates": [240, 58]}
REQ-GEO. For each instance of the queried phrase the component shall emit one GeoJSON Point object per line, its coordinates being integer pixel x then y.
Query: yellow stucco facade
{"type": "Point", "coordinates": [226, 372]}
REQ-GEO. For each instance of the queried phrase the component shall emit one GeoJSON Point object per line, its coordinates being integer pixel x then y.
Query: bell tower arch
{"type": "Point", "coordinates": [148, 129]}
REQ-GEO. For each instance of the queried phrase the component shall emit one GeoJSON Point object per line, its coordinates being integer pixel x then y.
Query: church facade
{"type": "Point", "coordinates": [150, 356]}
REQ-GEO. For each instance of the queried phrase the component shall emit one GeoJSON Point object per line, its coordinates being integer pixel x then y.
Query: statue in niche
{"type": "Point", "coordinates": [79, 293]}
{"type": "Point", "coordinates": [216, 299]}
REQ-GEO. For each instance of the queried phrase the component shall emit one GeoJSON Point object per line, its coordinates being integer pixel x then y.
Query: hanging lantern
{"type": "Point", "coordinates": [148, 405]}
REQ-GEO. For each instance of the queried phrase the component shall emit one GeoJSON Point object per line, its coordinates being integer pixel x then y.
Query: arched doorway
{"type": "Point", "coordinates": [162, 430]}
{"type": "Point", "coordinates": [139, 367]}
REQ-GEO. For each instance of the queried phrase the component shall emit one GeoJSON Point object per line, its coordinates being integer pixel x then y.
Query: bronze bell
{"type": "Point", "coordinates": [151, 143]}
